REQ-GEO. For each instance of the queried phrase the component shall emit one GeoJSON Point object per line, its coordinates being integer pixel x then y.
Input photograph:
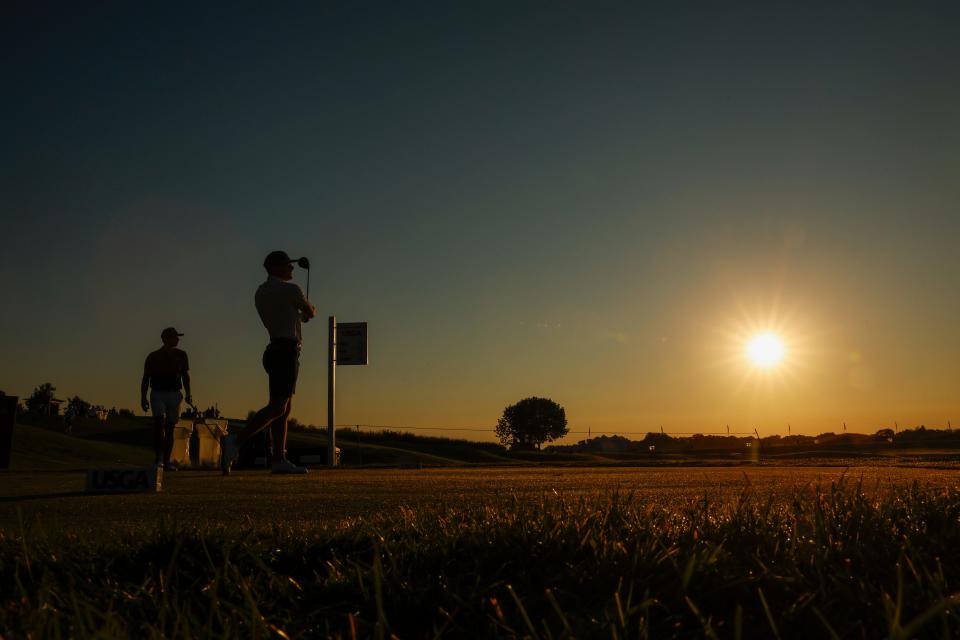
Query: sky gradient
{"type": "Point", "coordinates": [598, 204]}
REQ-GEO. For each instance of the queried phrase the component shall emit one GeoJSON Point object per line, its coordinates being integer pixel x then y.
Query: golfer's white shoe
{"type": "Point", "coordinates": [229, 452]}
{"type": "Point", "coordinates": [285, 466]}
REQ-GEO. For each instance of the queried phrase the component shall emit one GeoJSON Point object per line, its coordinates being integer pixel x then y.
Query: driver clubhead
{"type": "Point", "coordinates": [303, 263]}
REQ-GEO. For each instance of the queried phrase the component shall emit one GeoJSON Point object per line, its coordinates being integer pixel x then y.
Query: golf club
{"type": "Point", "coordinates": [305, 264]}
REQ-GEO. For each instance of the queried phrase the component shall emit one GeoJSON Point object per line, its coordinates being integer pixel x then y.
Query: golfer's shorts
{"type": "Point", "coordinates": [281, 360]}
{"type": "Point", "coordinates": [166, 404]}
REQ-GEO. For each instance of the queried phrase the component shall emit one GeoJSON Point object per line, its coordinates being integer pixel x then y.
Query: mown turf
{"type": "Point", "coordinates": [130, 441]}
{"type": "Point", "coordinates": [40, 448]}
{"type": "Point", "coordinates": [836, 561]}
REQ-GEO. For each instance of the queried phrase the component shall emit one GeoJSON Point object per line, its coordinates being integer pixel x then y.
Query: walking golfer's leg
{"type": "Point", "coordinates": [171, 424]}
{"type": "Point", "coordinates": [172, 405]}
{"type": "Point", "coordinates": [161, 414]}
{"type": "Point", "coordinates": [158, 438]}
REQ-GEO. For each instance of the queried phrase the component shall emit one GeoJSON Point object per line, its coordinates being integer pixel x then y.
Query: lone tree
{"type": "Point", "coordinates": [531, 422]}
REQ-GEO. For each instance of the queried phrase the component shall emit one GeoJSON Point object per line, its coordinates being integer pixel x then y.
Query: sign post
{"type": "Point", "coordinates": [347, 344]}
{"type": "Point", "coordinates": [331, 391]}
{"type": "Point", "coordinates": [8, 416]}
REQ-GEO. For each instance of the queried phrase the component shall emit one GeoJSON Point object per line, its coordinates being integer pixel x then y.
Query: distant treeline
{"type": "Point", "coordinates": [660, 442]}
{"type": "Point", "coordinates": [388, 436]}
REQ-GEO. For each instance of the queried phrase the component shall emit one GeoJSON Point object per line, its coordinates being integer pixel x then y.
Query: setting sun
{"type": "Point", "coordinates": [765, 350]}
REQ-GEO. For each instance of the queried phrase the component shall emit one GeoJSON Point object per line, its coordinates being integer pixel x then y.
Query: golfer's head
{"type": "Point", "coordinates": [170, 337]}
{"type": "Point", "coordinates": [279, 265]}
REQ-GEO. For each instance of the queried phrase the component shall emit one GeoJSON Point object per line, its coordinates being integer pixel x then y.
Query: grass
{"type": "Point", "coordinates": [40, 448]}
{"type": "Point", "coordinates": [827, 561]}
{"type": "Point", "coordinates": [130, 440]}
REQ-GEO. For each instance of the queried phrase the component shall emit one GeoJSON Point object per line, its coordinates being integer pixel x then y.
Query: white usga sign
{"type": "Point", "coordinates": [144, 480]}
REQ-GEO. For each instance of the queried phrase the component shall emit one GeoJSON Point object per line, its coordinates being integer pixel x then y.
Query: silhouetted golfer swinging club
{"type": "Point", "coordinates": [282, 307]}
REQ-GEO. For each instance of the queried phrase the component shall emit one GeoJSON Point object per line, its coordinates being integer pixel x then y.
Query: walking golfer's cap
{"type": "Point", "coordinates": [169, 331]}
{"type": "Point", "coordinates": [277, 257]}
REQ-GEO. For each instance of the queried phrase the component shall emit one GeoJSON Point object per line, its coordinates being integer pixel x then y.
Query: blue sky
{"type": "Point", "coordinates": [596, 204]}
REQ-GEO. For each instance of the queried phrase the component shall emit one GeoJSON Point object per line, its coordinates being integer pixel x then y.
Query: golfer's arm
{"type": "Point", "coordinates": [186, 383]}
{"type": "Point", "coordinates": [307, 310]}
{"type": "Point", "coordinates": [144, 385]}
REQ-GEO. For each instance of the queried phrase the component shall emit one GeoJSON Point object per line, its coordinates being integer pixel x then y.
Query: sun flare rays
{"type": "Point", "coordinates": [762, 351]}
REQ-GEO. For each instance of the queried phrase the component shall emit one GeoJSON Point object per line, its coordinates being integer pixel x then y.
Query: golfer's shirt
{"type": "Point", "coordinates": [165, 368]}
{"type": "Point", "coordinates": [279, 304]}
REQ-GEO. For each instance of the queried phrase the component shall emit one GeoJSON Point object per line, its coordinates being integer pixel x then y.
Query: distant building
{"type": "Point", "coordinates": [51, 407]}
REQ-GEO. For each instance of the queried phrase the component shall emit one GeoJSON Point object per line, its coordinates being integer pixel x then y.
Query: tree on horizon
{"type": "Point", "coordinates": [531, 422]}
{"type": "Point", "coordinates": [78, 406]}
{"type": "Point", "coordinates": [39, 400]}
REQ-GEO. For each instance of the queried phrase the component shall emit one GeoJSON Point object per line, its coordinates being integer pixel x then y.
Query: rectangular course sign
{"type": "Point", "coordinates": [145, 480]}
{"type": "Point", "coordinates": [351, 343]}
